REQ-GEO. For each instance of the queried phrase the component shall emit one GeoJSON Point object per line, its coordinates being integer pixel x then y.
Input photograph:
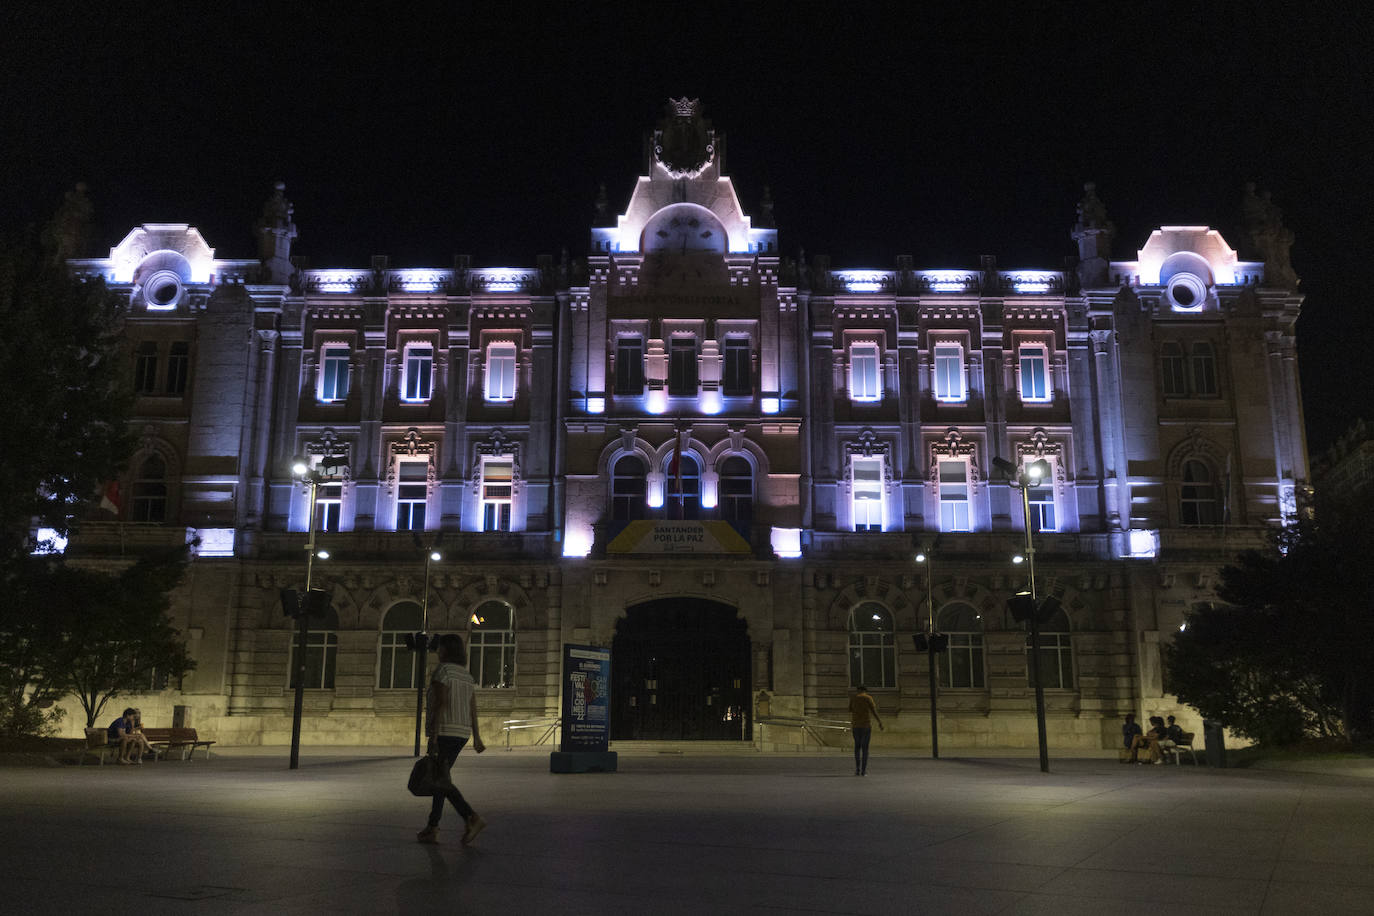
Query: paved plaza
{"type": "Point", "coordinates": [686, 834]}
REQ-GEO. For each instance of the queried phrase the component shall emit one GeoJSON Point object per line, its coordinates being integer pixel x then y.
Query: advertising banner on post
{"type": "Point", "coordinates": [586, 699]}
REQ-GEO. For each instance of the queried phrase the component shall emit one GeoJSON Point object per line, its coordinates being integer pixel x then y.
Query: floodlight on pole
{"type": "Point", "coordinates": [421, 642]}
{"type": "Point", "coordinates": [931, 646]}
{"type": "Point", "coordinates": [311, 479]}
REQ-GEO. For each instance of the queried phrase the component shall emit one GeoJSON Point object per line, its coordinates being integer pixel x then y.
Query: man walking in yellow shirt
{"type": "Point", "coordinates": [862, 709]}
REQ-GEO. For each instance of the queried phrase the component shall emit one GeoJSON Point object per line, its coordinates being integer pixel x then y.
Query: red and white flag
{"type": "Point", "coordinates": [109, 497]}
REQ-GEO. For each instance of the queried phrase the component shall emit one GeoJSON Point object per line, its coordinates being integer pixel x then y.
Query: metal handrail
{"type": "Point", "coordinates": [809, 725]}
{"type": "Point", "coordinates": [550, 725]}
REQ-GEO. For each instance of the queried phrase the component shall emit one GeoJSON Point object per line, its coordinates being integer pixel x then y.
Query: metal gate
{"type": "Point", "coordinates": [680, 671]}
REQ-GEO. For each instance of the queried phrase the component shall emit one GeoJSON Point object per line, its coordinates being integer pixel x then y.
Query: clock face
{"type": "Point", "coordinates": [684, 230]}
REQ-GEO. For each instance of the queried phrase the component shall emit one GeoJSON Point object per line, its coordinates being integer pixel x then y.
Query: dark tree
{"type": "Point", "coordinates": [1287, 656]}
{"type": "Point", "coordinates": [64, 386]}
{"type": "Point", "coordinates": [110, 635]}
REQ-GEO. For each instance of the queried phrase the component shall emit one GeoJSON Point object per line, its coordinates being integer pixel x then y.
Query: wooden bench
{"type": "Point", "coordinates": [1185, 743]}
{"type": "Point", "coordinates": [185, 740]}
{"type": "Point", "coordinates": [98, 746]}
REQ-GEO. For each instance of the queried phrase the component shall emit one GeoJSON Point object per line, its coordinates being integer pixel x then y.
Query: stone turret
{"type": "Point", "coordinates": [1093, 232]}
{"type": "Point", "coordinates": [1269, 238]}
{"type": "Point", "coordinates": [276, 231]}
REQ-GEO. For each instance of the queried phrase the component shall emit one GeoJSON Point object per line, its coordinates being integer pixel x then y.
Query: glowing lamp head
{"type": "Point", "coordinates": [436, 556]}
{"type": "Point", "coordinates": [920, 558]}
{"type": "Point", "coordinates": [322, 554]}
{"type": "Point", "coordinates": [299, 467]}
{"type": "Point", "coordinates": [1018, 559]}
{"type": "Point", "coordinates": [1038, 470]}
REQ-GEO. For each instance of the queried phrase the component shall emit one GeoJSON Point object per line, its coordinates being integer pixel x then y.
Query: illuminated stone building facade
{"type": "Point", "coordinates": [718, 461]}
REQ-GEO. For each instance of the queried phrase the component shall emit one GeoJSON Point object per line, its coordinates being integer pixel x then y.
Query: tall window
{"type": "Point", "coordinates": [954, 500]}
{"type": "Point", "coordinates": [737, 378]}
{"type": "Point", "coordinates": [334, 374]}
{"type": "Point", "coordinates": [1041, 499]}
{"type": "Point", "coordinates": [411, 496]}
{"type": "Point", "coordinates": [145, 367]}
{"type": "Point", "coordinates": [321, 650]}
{"type": "Point", "coordinates": [1204, 370]}
{"type": "Point", "coordinates": [417, 382]}
{"type": "Point", "coordinates": [1173, 370]}
{"type": "Point", "coordinates": [1034, 374]}
{"type": "Point", "coordinates": [328, 506]}
{"type": "Point", "coordinates": [872, 647]}
{"type": "Point", "coordinates": [491, 645]}
{"type": "Point", "coordinates": [962, 663]}
{"type": "Point", "coordinates": [736, 490]}
{"type": "Point", "coordinates": [864, 381]}
{"type": "Point", "coordinates": [629, 365]}
{"type": "Point", "coordinates": [627, 489]}
{"type": "Point", "coordinates": [501, 372]}
{"type": "Point", "coordinates": [497, 485]}
{"type": "Point", "coordinates": [682, 366]}
{"type": "Point", "coordinates": [150, 491]}
{"type": "Point", "coordinates": [178, 367]}
{"type": "Point", "coordinates": [400, 667]}
{"type": "Point", "coordinates": [867, 493]}
{"type": "Point", "coordinates": [1056, 653]}
{"type": "Point", "coordinates": [684, 488]}
{"type": "Point", "coordinates": [949, 372]}
{"type": "Point", "coordinates": [1198, 496]}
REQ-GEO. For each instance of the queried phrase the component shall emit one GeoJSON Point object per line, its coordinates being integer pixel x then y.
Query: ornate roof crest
{"type": "Point", "coordinates": [684, 143]}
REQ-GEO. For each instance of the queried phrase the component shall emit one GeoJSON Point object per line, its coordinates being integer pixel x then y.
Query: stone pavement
{"type": "Point", "coordinates": [684, 834]}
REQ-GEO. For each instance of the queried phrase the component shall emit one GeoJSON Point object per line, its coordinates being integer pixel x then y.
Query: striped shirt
{"type": "Point", "coordinates": [455, 717]}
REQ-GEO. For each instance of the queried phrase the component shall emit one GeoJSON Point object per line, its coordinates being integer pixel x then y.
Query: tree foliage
{"type": "Point", "coordinates": [94, 634]}
{"type": "Point", "coordinates": [1287, 656]}
{"type": "Point", "coordinates": [65, 388]}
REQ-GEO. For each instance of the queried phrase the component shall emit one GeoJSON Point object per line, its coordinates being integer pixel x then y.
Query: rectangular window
{"type": "Point", "coordinates": [497, 486]}
{"type": "Point", "coordinates": [412, 492]}
{"type": "Point", "coordinates": [321, 650]}
{"type": "Point", "coordinates": [328, 506]}
{"type": "Point", "coordinates": [868, 494]}
{"type": "Point", "coordinates": [954, 501]}
{"type": "Point", "coordinates": [1204, 371]}
{"type": "Point", "coordinates": [334, 374]}
{"type": "Point", "coordinates": [949, 372]}
{"type": "Point", "coordinates": [501, 372]}
{"type": "Point", "coordinates": [962, 664]}
{"type": "Point", "coordinates": [1034, 374]}
{"type": "Point", "coordinates": [863, 373]}
{"type": "Point", "coordinates": [145, 368]}
{"type": "Point", "coordinates": [178, 367]}
{"type": "Point", "coordinates": [629, 365]}
{"type": "Point", "coordinates": [1173, 371]}
{"type": "Point", "coordinates": [682, 366]}
{"type": "Point", "coordinates": [1056, 661]}
{"type": "Point", "coordinates": [1042, 507]}
{"type": "Point", "coordinates": [419, 373]}
{"type": "Point", "coordinates": [737, 379]}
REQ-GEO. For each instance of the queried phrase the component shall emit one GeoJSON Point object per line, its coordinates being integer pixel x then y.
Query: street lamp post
{"type": "Point", "coordinates": [1023, 479]}
{"type": "Point", "coordinates": [311, 478]}
{"type": "Point", "coordinates": [421, 645]}
{"type": "Point", "coordinates": [931, 649]}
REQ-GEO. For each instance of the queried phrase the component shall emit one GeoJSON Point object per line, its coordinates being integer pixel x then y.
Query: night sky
{"type": "Point", "coordinates": [880, 133]}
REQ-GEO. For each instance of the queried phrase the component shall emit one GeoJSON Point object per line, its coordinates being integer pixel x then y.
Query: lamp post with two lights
{"type": "Point", "coordinates": [420, 643]}
{"type": "Point", "coordinates": [931, 643]}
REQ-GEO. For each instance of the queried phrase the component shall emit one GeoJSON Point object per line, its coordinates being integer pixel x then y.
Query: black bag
{"type": "Point", "coordinates": [428, 777]}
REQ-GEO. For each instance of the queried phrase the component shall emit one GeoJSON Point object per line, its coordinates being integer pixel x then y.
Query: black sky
{"type": "Point", "coordinates": [881, 131]}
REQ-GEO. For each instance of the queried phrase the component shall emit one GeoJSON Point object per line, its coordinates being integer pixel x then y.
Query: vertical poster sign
{"type": "Point", "coordinates": [586, 698]}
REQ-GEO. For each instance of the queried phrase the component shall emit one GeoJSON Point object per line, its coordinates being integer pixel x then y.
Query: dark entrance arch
{"type": "Point", "coordinates": [680, 668]}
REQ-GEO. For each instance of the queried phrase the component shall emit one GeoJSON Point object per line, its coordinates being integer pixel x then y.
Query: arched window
{"type": "Point", "coordinates": [683, 485]}
{"type": "Point", "coordinates": [627, 489]}
{"type": "Point", "coordinates": [150, 491]}
{"type": "Point", "coordinates": [1198, 495]}
{"type": "Point", "coordinates": [962, 664]}
{"type": "Point", "coordinates": [491, 644]}
{"type": "Point", "coordinates": [321, 650]}
{"type": "Point", "coordinates": [400, 667]}
{"type": "Point", "coordinates": [736, 490]}
{"type": "Point", "coordinates": [872, 647]}
{"type": "Point", "coordinates": [1056, 653]}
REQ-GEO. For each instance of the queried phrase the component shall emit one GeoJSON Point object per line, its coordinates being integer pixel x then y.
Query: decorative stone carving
{"type": "Point", "coordinates": [1264, 225]}
{"type": "Point", "coordinates": [1093, 232]}
{"type": "Point", "coordinates": [684, 143]}
{"type": "Point", "coordinates": [953, 445]}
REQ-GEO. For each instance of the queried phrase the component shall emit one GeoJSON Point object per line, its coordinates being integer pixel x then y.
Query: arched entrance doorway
{"type": "Point", "coordinates": [680, 671]}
